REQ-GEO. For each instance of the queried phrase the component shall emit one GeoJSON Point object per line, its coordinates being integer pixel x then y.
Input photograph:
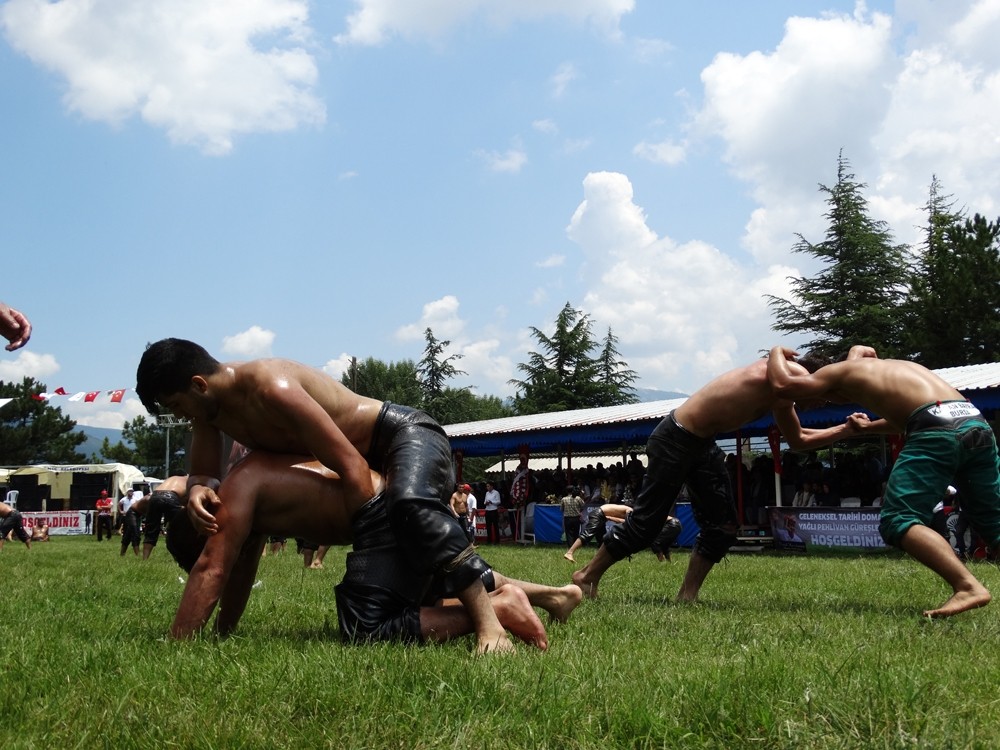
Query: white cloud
{"type": "Point", "coordinates": [576, 145]}
{"type": "Point", "coordinates": [682, 312]}
{"type": "Point", "coordinates": [784, 116]}
{"type": "Point", "coordinates": [902, 111]}
{"type": "Point", "coordinates": [199, 69]}
{"type": "Point", "coordinates": [565, 74]}
{"type": "Point", "coordinates": [545, 126]}
{"type": "Point", "coordinates": [336, 368]}
{"type": "Point", "coordinates": [553, 261]}
{"type": "Point", "coordinates": [375, 21]}
{"type": "Point", "coordinates": [112, 417]}
{"type": "Point", "coordinates": [510, 161]}
{"type": "Point", "coordinates": [28, 364]}
{"type": "Point", "coordinates": [441, 316]}
{"type": "Point", "coordinates": [253, 343]}
{"type": "Point", "coordinates": [666, 152]}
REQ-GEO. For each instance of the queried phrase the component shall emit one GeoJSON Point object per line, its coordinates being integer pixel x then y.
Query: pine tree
{"type": "Point", "coordinates": [33, 431]}
{"type": "Point", "coordinates": [564, 375]}
{"type": "Point", "coordinates": [856, 298]}
{"type": "Point", "coordinates": [953, 312]}
{"type": "Point", "coordinates": [615, 375]}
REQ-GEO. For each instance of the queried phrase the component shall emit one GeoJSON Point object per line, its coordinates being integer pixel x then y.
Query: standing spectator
{"type": "Point", "coordinates": [104, 505]}
{"type": "Point", "coordinates": [459, 505]}
{"type": "Point", "coordinates": [521, 487]}
{"type": "Point", "coordinates": [473, 507]}
{"type": "Point", "coordinates": [491, 504]}
{"type": "Point", "coordinates": [572, 507]}
{"type": "Point", "coordinates": [14, 327]}
{"type": "Point", "coordinates": [10, 521]}
{"type": "Point", "coordinates": [124, 503]}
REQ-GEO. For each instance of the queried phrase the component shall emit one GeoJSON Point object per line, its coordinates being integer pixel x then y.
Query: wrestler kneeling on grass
{"type": "Point", "coordinates": [380, 598]}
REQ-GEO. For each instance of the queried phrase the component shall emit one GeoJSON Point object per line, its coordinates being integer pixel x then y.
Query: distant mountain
{"type": "Point", "coordinates": [654, 394]}
{"type": "Point", "coordinates": [95, 439]}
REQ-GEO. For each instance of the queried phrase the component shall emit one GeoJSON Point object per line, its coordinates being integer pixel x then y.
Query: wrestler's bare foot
{"type": "Point", "coordinates": [563, 601]}
{"type": "Point", "coordinates": [588, 588]}
{"type": "Point", "coordinates": [516, 614]}
{"type": "Point", "coordinates": [961, 601]}
{"type": "Point", "coordinates": [316, 565]}
{"type": "Point", "coordinates": [569, 556]}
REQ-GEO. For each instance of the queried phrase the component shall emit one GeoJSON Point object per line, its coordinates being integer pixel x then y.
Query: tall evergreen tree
{"type": "Point", "coordinates": [953, 312]}
{"type": "Point", "coordinates": [435, 370]}
{"type": "Point", "coordinates": [565, 375]}
{"type": "Point", "coordinates": [33, 431]}
{"type": "Point", "coordinates": [615, 375]}
{"type": "Point", "coordinates": [398, 382]}
{"type": "Point", "coordinates": [856, 297]}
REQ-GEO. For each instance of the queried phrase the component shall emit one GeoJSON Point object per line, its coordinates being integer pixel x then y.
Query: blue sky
{"type": "Point", "coordinates": [321, 180]}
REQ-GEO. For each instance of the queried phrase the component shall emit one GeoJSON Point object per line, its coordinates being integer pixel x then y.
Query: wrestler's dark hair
{"type": "Point", "coordinates": [183, 542]}
{"type": "Point", "coordinates": [812, 361]}
{"type": "Point", "coordinates": [167, 367]}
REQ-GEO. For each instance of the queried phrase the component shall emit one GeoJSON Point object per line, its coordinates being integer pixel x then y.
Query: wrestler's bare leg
{"type": "Point", "coordinates": [449, 619]}
{"type": "Point", "coordinates": [317, 563]}
{"type": "Point", "coordinates": [698, 569]}
{"type": "Point", "coordinates": [490, 634]}
{"type": "Point", "coordinates": [590, 574]}
{"type": "Point", "coordinates": [577, 543]}
{"type": "Point", "coordinates": [930, 548]}
{"type": "Point", "coordinates": [558, 602]}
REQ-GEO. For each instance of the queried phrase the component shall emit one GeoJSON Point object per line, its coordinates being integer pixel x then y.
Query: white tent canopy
{"type": "Point", "coordinates": [60, 476]}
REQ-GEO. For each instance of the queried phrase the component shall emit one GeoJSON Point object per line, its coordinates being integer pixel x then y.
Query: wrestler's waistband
{"type": "Point", "coordinates": [942, 415]}
{"type": "Point", "coordinates": [384, 567]}
{"type": "Point", "coordinates": [684, 433]}
{"type": "Point", "coordinates": [370, 526]}
{"type": "Point", "coordinates": [391, 419]}
{"type": "Point", "coordinates": [166, 495]}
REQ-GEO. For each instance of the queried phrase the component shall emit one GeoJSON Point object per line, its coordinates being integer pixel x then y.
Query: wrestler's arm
{"type": "Point", "coordinates": [210, 573]}
{"type": "Point", "coordinates": [801, 438]}
{"type": "Point", "coordinates": [790, 383]}
{"type": "Point", "coordinates": [860, 351]}
{"type": "Point", "coordinates": [615, 512]}
{"type": "Point", "coordinates": [234, 598]}
{"type": "Point", "coordinates": [863, 423]}
{"type": "Point", "coordinates": [203, 481]}
{"type": "Point", "coordinates": [300, 412]}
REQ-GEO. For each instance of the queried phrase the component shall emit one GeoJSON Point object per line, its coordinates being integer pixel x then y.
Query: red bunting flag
{"type": "Point", "coordinates": [60, 391]}
{"type": "Point", "coordinates": [91, 396]}
{"type": "Point", "coordinates": [39, 396]}
{"type": "Point", "coordinates": [116, 396]}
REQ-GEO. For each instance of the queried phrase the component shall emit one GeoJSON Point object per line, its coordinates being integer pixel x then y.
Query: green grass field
{"type": "Point", "coordinates": [821, 651]}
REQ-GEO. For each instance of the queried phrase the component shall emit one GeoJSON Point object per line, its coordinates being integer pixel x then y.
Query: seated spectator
{"type": "Point", "coordinates": [40, 531]}
{"type": "Point", "coordinates": [805, 496]}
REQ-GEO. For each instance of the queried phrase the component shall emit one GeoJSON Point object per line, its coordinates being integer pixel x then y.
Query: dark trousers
{"type": "Point", "coordinates": [104, 524]}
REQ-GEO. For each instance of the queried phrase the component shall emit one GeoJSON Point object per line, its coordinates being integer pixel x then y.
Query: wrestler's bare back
{"type": "Point", "coordinates": [892, 388]}
{"type": "Point", "coordinates": [294, 496]}
{"type": "Point", "coordinates": [249, 414]}
{"type": "Point", "coordinates": [728, 402]}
